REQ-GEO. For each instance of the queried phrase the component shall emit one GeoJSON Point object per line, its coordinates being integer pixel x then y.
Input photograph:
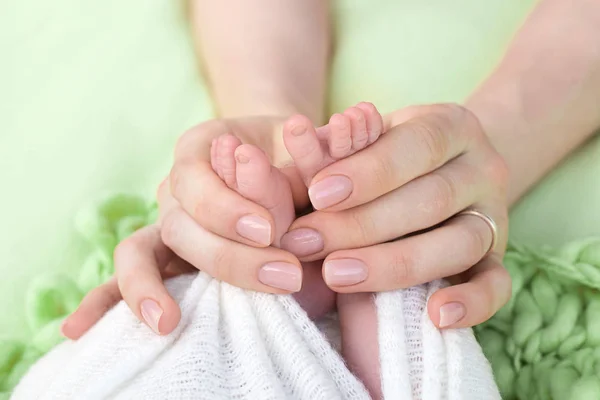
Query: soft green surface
{"type": "Point", "coordinates": [97, 93]}
{"type": "Point", "coordinates": [566, 205]}
{"type": "Point", "coordinates": [545, 343]}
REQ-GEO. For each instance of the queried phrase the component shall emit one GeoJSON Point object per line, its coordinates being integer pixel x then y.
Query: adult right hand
{"type": "Point", "coordinates": [202, 223]}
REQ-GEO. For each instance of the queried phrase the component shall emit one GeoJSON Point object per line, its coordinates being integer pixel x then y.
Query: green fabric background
{"type": "Point", "coordinates": [97, 93]}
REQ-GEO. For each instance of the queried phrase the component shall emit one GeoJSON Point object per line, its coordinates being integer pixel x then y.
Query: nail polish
{"type": "Point", "coordinates": [302, 242]}
{"type": "Point", "coordinates": [152, 313]}
{"type": "Point", "coordinates": [345, 272]}
{"type": "Point", "coordinates": [451, 313]}
{"type": "Point", "coordinates": [254, 228]}
{"type": "Point", "coordinates": [330, 191]}
{"type": "Point", "coordinates": [281, 275]}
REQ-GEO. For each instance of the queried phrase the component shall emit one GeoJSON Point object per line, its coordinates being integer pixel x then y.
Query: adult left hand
{"type": "Point", "coordinates": [389, 217]}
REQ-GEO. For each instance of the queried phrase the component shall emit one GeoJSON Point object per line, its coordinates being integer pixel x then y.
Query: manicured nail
{"type": "Point", "coordinates": [151, 312]}
{"type": "Point", "coordinates": [451, 313]}
{"type": "Point", "coordinates": [302, 242]}
{"type": "Point", "coordinates": [345, 272]}
{"type": "Point", "coordinates": [281, 275]}
{"type": "Point", "coordinates": [254, 228]}
{"type": "Point", "coordinates": [298, 130]}
{"type": "Point", "coordinates": [330, 191]}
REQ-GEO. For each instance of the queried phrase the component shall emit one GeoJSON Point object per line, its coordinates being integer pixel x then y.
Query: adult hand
{"type": "Point", "coordinates": [196, 206]}
{"type": "Point", "coordinates": [389, 216]}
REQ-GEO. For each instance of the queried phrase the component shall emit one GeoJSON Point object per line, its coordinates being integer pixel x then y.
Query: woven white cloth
{"type": "Point", "coordinates": [235, 344]}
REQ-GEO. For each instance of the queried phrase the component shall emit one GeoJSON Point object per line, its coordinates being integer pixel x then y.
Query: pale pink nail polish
{"type": "Point", "coordinates": [451, 313]}
{"type": "Point", "coordinates": [254, 228]}
{"type": "Point", "coordinates": [152, 313]}
{"type": "Point", "coordinates": [345, 272]}
{"type": "Point", "coordinates": [302, 242]}
{"type": "Point", "coordinates": [281, 275]}
{"type": "Point", "coordinates": [330, 191]}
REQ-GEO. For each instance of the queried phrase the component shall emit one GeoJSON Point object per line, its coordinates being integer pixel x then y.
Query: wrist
{"type": "Point", "coordinates": [500, 115]}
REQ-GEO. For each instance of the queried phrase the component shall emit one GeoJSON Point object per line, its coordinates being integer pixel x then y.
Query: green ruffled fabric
{"type": "Point", "coordinates": [52, 297]}
{"type": "Point", "coordinates": [545, 343]}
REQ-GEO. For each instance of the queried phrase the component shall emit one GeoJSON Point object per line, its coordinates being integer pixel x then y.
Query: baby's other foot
{"type": "Point", "coordinates": [246, 169]}
{"type": "Point", "coordinates": [345, 134]}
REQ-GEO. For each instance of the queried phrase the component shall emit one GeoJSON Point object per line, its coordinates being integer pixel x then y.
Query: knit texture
{"type": "Point", "coordinates": [236, 344]}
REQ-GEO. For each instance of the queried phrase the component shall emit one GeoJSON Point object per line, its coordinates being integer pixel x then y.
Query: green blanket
{"type": "Point", "coordinates": [98, 92]}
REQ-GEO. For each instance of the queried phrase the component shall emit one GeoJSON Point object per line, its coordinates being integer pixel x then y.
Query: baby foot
{"type": "Point", "coordinates": [246, 169]}
{"type": "Point", "coordinates": [345, 134]}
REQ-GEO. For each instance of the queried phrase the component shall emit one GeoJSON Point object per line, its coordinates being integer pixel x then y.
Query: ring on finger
{"type": "Point", "coordinates": [489, 221]}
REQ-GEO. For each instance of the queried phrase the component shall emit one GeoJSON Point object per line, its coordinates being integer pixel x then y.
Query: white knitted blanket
{"type": "Point", "coordinates": [235, 344]}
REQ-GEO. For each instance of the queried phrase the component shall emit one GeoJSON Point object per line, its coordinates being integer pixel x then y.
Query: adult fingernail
{"type": "Point", "coordinates": [451, 313]}
{"type": "Point", "coordinates": [281, 275]}
{"type": "Point", "coordinates": [329, 191]}
{"type": "Point", "coordinates": [151, 312]}
{"type": "Point", "coordinates": [302, 242]}
{"type": "Point", "coordinates": [254, 228]}
{"type": "Point", "coordinates": [345, 272]}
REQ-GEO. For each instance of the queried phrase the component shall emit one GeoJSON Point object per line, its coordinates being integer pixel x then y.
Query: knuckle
{"type": "Point", "coordinates": [476, 241]}
{"type": "Point", "coordinates": [431, 138]}
{"type": "Point", "coordinates": [444, 193]}
{"type": "Point", "coordinates": [364, 227]}
{"type": "Point", "coordinates": [383, 172]}
{"type": "Point", "coordinates": [222, 260]}
{"type": "Point", "coordinates": [498, 170]}
{"type": "Point", "coordinates": [401, 269]}
{"type": "Point", "coordinates": [169, 231]}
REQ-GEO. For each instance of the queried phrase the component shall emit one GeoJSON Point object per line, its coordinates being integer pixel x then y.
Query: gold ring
{"type": "Point", "coordinates": [489, 221]}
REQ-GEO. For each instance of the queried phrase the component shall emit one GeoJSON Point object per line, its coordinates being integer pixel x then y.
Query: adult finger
{"type": "Point", "coordinates": [139, 261]}
{"type": "Point", "coordinates": [468, 304]}
{"type": "Point", "coordinates": [93, 307]}
{"type": "Point", "coordinates": [405, 152]}
{"type": "Point", "coordinates": [210, 202]}
{"type": "Point", "coordinates": [262, 269]}
{"type": "Point", "coordinates": [445, 251]}
{"type": "Point", "coordinates": [418, 205]}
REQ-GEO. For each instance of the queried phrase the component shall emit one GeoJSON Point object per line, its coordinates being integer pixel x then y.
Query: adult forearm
{"type": "Point", "coordinates": [264, 58]}
{"type": "Point", "coordinates": [544, 99]}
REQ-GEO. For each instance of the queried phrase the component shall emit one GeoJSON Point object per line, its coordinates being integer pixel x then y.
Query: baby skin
{"type": "Point", "coordinates": [246, 169]}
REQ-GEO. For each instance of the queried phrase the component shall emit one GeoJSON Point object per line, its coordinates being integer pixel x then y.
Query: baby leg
{"type": "Point", "coordinates": [312, 150]}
